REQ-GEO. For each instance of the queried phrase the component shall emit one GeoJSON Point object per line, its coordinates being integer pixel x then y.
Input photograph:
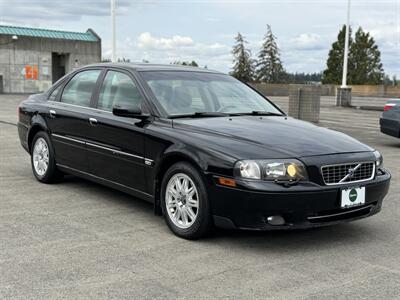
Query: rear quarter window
{"type": "Point", "coordinates": [53, 95]}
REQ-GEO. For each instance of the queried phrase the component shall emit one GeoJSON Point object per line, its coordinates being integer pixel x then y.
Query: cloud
{"type": "Point", "coordinates": [179, 45]}
{"type": "Point", "coordinates": [22, 11]}
{"type": "Point", "coordinates": [147, 42]}
{"type": "Point", "coordinates": [175, 48]}
{"type": "Point", "coordinates": [212, 19]}
{"type": "Point", "coordinates": [308, 41]}
{"type": "Point", "coordinates": [204, 30]}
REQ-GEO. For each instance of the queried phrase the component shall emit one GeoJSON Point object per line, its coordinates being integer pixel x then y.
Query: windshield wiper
{"type": "Point", "coordinates": [200, 114]}
{"type": "Point", "coordinates": [257, 113]}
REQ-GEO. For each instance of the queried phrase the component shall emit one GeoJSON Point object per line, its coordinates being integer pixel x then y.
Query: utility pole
{"type": "Point", "coordinates": [113, 33]}
{"type": "Point", "coordinates": [343, 93]}
{"type": "Point", "coordinates": [346, 47]}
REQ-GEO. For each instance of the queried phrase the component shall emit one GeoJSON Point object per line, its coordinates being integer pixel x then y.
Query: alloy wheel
{"type": "Point", "coordinates": [182, 200]}
{"type": "Point", "coordinates": [40, 156]}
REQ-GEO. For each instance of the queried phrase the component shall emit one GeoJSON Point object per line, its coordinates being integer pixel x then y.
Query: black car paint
{"type": "Point", "coordinates": [131, 154]}
{"type": "Point", "coordinates": [390, 120]}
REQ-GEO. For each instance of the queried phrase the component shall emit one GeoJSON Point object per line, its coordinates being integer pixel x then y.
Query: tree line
{"type": "Point", "coordinates": [364, 62]}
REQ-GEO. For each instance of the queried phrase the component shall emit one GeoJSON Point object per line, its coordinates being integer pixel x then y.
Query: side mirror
{"type": "Point", "coordinates": [131, 112]}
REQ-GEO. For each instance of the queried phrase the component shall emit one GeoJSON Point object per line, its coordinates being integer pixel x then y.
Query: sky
{"type": "Point", "coordinates": [204, 31]}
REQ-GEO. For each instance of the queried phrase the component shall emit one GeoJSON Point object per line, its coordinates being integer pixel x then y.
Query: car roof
{"type": "Point", "coordinates": [153, 67]}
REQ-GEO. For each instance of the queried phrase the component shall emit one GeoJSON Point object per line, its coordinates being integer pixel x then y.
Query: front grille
{"type": "Point", "coordinates": [345, 173]}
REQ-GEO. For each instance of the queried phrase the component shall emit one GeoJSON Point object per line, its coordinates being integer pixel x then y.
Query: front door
{"type": "Point", "coordinates": [115, 144]}
{"type": "Point", "coordinates": [68, 120]}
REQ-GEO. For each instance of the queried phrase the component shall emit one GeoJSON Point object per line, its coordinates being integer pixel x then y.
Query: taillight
{"type": "Point", "coordinates": [389, 106]}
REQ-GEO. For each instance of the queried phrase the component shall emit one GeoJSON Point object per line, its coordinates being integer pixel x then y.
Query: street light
{"type": "Point", "coordinates": [346, 47]}
{"type": "Point", "coordinates": [113, 33]}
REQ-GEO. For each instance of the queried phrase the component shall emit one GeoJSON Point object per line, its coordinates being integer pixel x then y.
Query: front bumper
{"type": "Point", "coordinates": [305, 205]}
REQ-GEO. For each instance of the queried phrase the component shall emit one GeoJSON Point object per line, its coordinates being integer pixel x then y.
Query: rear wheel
{"type": "Point", "coordinates": [42, 159]}
{"type": "Point", "coordinates": [184, 202]}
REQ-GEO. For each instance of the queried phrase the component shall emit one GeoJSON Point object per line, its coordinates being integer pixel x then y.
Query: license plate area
{"type": "Point", "coordinates": [354, 196]}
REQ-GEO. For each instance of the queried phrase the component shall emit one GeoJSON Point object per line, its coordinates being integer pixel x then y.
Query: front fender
{"type": "Point", "coordinates": [208, 160]}
{"type": "Point", "coordinates": [187, 152]}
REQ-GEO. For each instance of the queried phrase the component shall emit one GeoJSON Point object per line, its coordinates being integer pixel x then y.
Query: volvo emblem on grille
{"type": "Point", "coordinates": [351, 172]}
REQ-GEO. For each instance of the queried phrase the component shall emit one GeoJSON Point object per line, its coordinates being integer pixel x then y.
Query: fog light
{"type": "Point", "coordinates": [275, 220]}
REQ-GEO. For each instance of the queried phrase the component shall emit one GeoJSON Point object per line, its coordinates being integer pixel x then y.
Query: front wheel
{"type": "Point", "coordinates": [184, 202]}
{"type": "Point", "coordinates": [42, 159]}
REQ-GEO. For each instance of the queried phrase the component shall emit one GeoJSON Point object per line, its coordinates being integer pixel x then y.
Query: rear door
{"type": "Point", "coordinates": [116, 144]}
{"type": "Point", "coordinates": [68, 119]}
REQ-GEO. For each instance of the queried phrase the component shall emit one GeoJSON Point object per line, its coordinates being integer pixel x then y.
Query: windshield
{"type": "Point", "coordinates": [186, 93]}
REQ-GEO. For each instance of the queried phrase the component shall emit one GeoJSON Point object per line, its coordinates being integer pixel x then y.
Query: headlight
{"type": "Point", "coordinates": [283, 169]}
{"type": "Point", "coordinates": [248, 169]}
{"type": "Point", "coordinates": [378, 159]}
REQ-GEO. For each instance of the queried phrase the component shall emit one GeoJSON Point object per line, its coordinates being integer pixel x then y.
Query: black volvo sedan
{"type": "Point", "coordinates": [206, 149]}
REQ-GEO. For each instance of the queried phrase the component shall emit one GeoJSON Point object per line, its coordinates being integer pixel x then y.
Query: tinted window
{"type": "Point", "coordinates": [118, 89]}
{"type": "Point", "coordinates": [79, 89]}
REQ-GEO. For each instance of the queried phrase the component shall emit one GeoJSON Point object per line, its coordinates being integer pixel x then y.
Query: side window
{"type": "Point", "coordinates": [118, 89]}
{"type": "Point", "coordinates": [79, 89]}
{"type": "Point", "coordinates": [54, 93]}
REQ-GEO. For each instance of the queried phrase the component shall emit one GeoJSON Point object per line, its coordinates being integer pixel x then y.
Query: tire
{"type": "Point", "coordinates": [188, 215]}
{"type": "Point", "coordinates": [43, 159]}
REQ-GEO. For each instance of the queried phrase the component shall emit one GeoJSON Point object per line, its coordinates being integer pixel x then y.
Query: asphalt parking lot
{"type": "Point", "coordinates": [79, 240]}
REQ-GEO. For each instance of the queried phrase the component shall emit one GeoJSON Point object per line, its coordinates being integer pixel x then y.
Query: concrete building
{"type": "Point", "coordinates": [32, 59]}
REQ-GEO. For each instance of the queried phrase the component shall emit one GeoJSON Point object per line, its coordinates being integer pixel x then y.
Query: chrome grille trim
{"type": "Point", "coordinates": [338, 174]}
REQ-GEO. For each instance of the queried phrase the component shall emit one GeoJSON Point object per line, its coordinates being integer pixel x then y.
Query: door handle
{"type": "Point", "coordinates": [93, 121]}
{"type": "Point", "coordinates": [52, 113]}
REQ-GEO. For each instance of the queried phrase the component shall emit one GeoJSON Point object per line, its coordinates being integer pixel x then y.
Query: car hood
{"type": "Point", "coordinates": [269, 136]}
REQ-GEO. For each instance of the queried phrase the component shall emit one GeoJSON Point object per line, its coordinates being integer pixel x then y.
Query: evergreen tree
{"type": "Point", "coordinates": [186, 63]}
{"type": "Point", "coordinates": [243, 65]}
{"type": "Point", "coordinates": [387, 80]}
{"type": "Point", "coordinates": [123, 59]}
{"type": "Point", "coordinates": [194, 64]}
{"type": "Point", "coordinates": [334, 71]}
{"type": "Point", "coordinates": [304, 78]}
{"type": "Point", "coordinates": [364, 61]}
{"type": "Point", "coordinates": [269, 66]}
{"type": "Point", "coordinates": [365, 56]}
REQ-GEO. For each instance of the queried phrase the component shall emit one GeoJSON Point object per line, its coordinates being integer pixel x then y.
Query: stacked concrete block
{"type": "Point", "coordinates": [304, 102]}
{"type": "Point", "coordinates": [343, 96]}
